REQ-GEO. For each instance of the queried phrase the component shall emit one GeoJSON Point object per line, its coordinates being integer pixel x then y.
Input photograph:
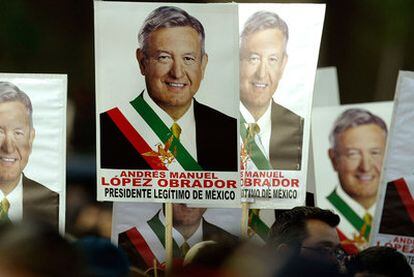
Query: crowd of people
{"type": "Point", "coordinates": [302, 242]}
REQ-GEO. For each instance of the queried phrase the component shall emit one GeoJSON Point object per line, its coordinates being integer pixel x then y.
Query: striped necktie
{"type": "Point", "coordinates": [4, 210]}
{"type": "Point", "coordinates": [176, 130]}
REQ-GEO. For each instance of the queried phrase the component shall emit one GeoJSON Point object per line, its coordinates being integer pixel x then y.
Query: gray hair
{"type": "Point", "coordinates": [263, 20]}
{"type": "Point", "coordinates": [10, 93]}
{"type": "Point", "coordinates": [169, 17]}
{"type": "Point", "coordinates": [352, 118]}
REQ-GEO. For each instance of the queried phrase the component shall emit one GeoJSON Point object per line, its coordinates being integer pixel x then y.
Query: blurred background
{"type": "Point", "coordinates": [368, 42]}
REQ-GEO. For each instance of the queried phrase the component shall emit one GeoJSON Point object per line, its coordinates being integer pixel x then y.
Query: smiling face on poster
{"type": "Point", "coordinates": [176, 102]}
{"type": "Point", "coordinates": [278, 58]}
{"type": "Point", "coordinates": [351, 141]}
{"type": "Point", "coordinates": [32, 148]}
{"type": "Point", "coordinates": [141, 235]}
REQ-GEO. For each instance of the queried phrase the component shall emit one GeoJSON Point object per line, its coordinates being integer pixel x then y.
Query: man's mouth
{"type": "Point", "coordinates": [175, 85]}
{"type": "Point", "coordinates": [365, 177]}
{"type": "Point", "coordinates": [8, 159]}
{"type": "Point", "coordinates": [259, 85]}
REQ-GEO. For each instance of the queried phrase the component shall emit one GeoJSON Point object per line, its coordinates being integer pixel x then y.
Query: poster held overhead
{"type": "Point", "coordinates": [278, 58]}
{"type": "Point", "coordinates": [33, 148]}
{"type": "Point", "coordinates": [167, 115]}
{"type": "Point", "coordinates": [394, 218]}
{"type": "Point", "coordinates": [349, 145]}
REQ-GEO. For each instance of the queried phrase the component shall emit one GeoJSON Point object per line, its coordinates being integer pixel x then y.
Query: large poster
{"type": "Point", "coordinates": [141, 234]}
{"type": "Point", "coordinates": [349, 145]}
{"type": "Point", "coordinates": [33, 148]}
{"type": "Point", "coordinates": [279, 46]}
{"type": "Point", "coordinates": [167, 102]}
{"type": "Point", "coordinates": [394, 219]}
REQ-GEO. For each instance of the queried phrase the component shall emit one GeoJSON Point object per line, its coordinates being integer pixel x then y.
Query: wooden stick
{"type": "Point", "coordinates": [245, 220]}
{"type": "Point", "coordinates": [154, 262]}
{"type": "Point", "coordinates": [168, 239]}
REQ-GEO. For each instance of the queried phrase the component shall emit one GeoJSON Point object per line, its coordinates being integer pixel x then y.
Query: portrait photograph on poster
{"type": "Point", "coordinates": [394, 217]}
{"type": "Point", "coordinates": [278, 59]}
{"type": "Point", "coordinates": [167, 102]}
{"type": "Point", "coordinates": [33, 148]}
{"type": "Point", "coordinates": [349, 145]}
{"type": "Point", "coordinates": [141, 235]}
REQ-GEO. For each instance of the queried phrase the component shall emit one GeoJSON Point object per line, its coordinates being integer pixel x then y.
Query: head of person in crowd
{"type": "Point", "coordinates": [172, 58]}
{"type": "Point", "coordinates": [33, 250]}
{"type": "Point", "coordinates": [186, 220]}
{"type": "Point", "coordinates": [102, 258]}
{"type": "Point", "coordinates": [307, 232]}
{"type": "Point", "coordinates": [358, 140]}
{"type": "Point", "coordinates": [16, 134]}
{"type": "Point", "coordinates": [379, 261]}
{"type": "Point", "coordinates": [263, 58]}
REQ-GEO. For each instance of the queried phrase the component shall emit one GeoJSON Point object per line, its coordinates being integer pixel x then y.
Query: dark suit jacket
{"type": "Point", "coordinates": [216, 137]}
{"type": "Point", "coordinates": [395, 219]}
{"type": "Point", "coordinates": [40, 203]}
{"type": "Point", "coordinates": [286, 139]}
{"type": "Point", "coordinates": [210, 232]}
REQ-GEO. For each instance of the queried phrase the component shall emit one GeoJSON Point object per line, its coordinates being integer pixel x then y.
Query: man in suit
{"type": "Point", "coordinates": [21, 197]}
{"type": "Point", "coordinates": [278, 131]}
{"type": "Point", "coordinates": [173, 60]}
{"type": "Point", "coordinates": [357, 140]}
{"type": "Point", "coordinates": [189, 228]}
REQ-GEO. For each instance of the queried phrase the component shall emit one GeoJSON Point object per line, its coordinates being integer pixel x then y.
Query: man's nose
{"type": "Point", "coordinates": [177, 69]}
{"type": "Point", "coordinates": [261, 70]}
{"type": "Point", "coordinates": [366, 163]}
{"type": "Point", "coordinates": [7, 144]}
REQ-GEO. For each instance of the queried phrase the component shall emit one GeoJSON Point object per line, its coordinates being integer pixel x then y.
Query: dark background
{"type": "Point", "coordinates": [367, 40]}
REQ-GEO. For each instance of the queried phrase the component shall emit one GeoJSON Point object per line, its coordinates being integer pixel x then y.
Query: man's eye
{"type": "Point", "coordinates": [189, 60]}
{"type": "Point", "coordinates": [163, 58]}
{"type": "Point", "coordinates": [19, 133]}
{"type": "Point", "coordinates": [273, 60]}
{"type": "Point", "coordinates": [254, 59]}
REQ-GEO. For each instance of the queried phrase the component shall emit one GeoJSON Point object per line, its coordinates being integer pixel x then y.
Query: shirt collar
{"type": "Point", "coordinates": [264, 121]}
{"type": "Point", "coordinates": [179, 239]}
{"type": "Point", "coordinates": [15, 198]}
{"type": "Point", "coordinates": [356, 207]}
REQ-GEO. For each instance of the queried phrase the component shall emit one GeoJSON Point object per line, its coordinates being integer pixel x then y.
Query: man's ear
{"type": "Point", "coordinates": [204, 61]}
{"type": "Point", "coordinates": [31, 138]}
{"type": "Point", "coordinates": [283, 250]}
{"type": "Point", "coordinates": [141, 58]}
{"type": "Point", "coordinates": [333, 158]}
{"type": "Point", "coordinates": [284, 62]}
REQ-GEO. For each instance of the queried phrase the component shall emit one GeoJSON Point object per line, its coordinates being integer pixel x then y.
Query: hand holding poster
{"type": "Point", "coordinates": [170, 135]}
{"type": "Point", "coordinates": [32, 148]}
{"type": "Point", "coordinates": [394, 219]}
{"type": "Point", "coordinates": [349, 143]}
{"type": "Point", "coordinates": [278, 58]}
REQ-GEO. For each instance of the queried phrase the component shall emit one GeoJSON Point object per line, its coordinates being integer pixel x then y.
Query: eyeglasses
{"type": "Point", "coordinates": [338, 252]}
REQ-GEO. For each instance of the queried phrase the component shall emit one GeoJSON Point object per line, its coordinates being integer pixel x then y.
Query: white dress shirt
{"type": "Point", "coordinates": [265, 125]}
{"type": "Point", "coordinates": [15, 198]}
{"type": "Point", "coordinates": [356, 207]}
{"type": "Point", "coordinates": [186, 123]}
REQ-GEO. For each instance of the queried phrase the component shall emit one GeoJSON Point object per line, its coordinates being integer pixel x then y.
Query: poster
{"type": "Point", "coordinates": [141, 235]}
{"type": "Point", "coordinates": [349, 145]}
{"type": "Point", "coordinates": [394, 218]}
{"type": "Point", "coordinates": [278, 58]}
{"type": "Point", "coordinates": [33, 147]}
{"type": "Point", "coordinates": [155, 141]}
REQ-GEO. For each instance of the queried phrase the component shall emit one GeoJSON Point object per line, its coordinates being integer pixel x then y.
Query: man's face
{"type": "Point", "coordinates": [358, 160]}
{"type": "Point", "coordinates": [184, 216]}
{"type": "Point", "coordinates": [263, 59]}
{"type": "Point", "coordinates": [173, 66]}
{"type": "Point", "coordinates": [16, 138]}
{"type": "Point", "coordinates": [321, 243]}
